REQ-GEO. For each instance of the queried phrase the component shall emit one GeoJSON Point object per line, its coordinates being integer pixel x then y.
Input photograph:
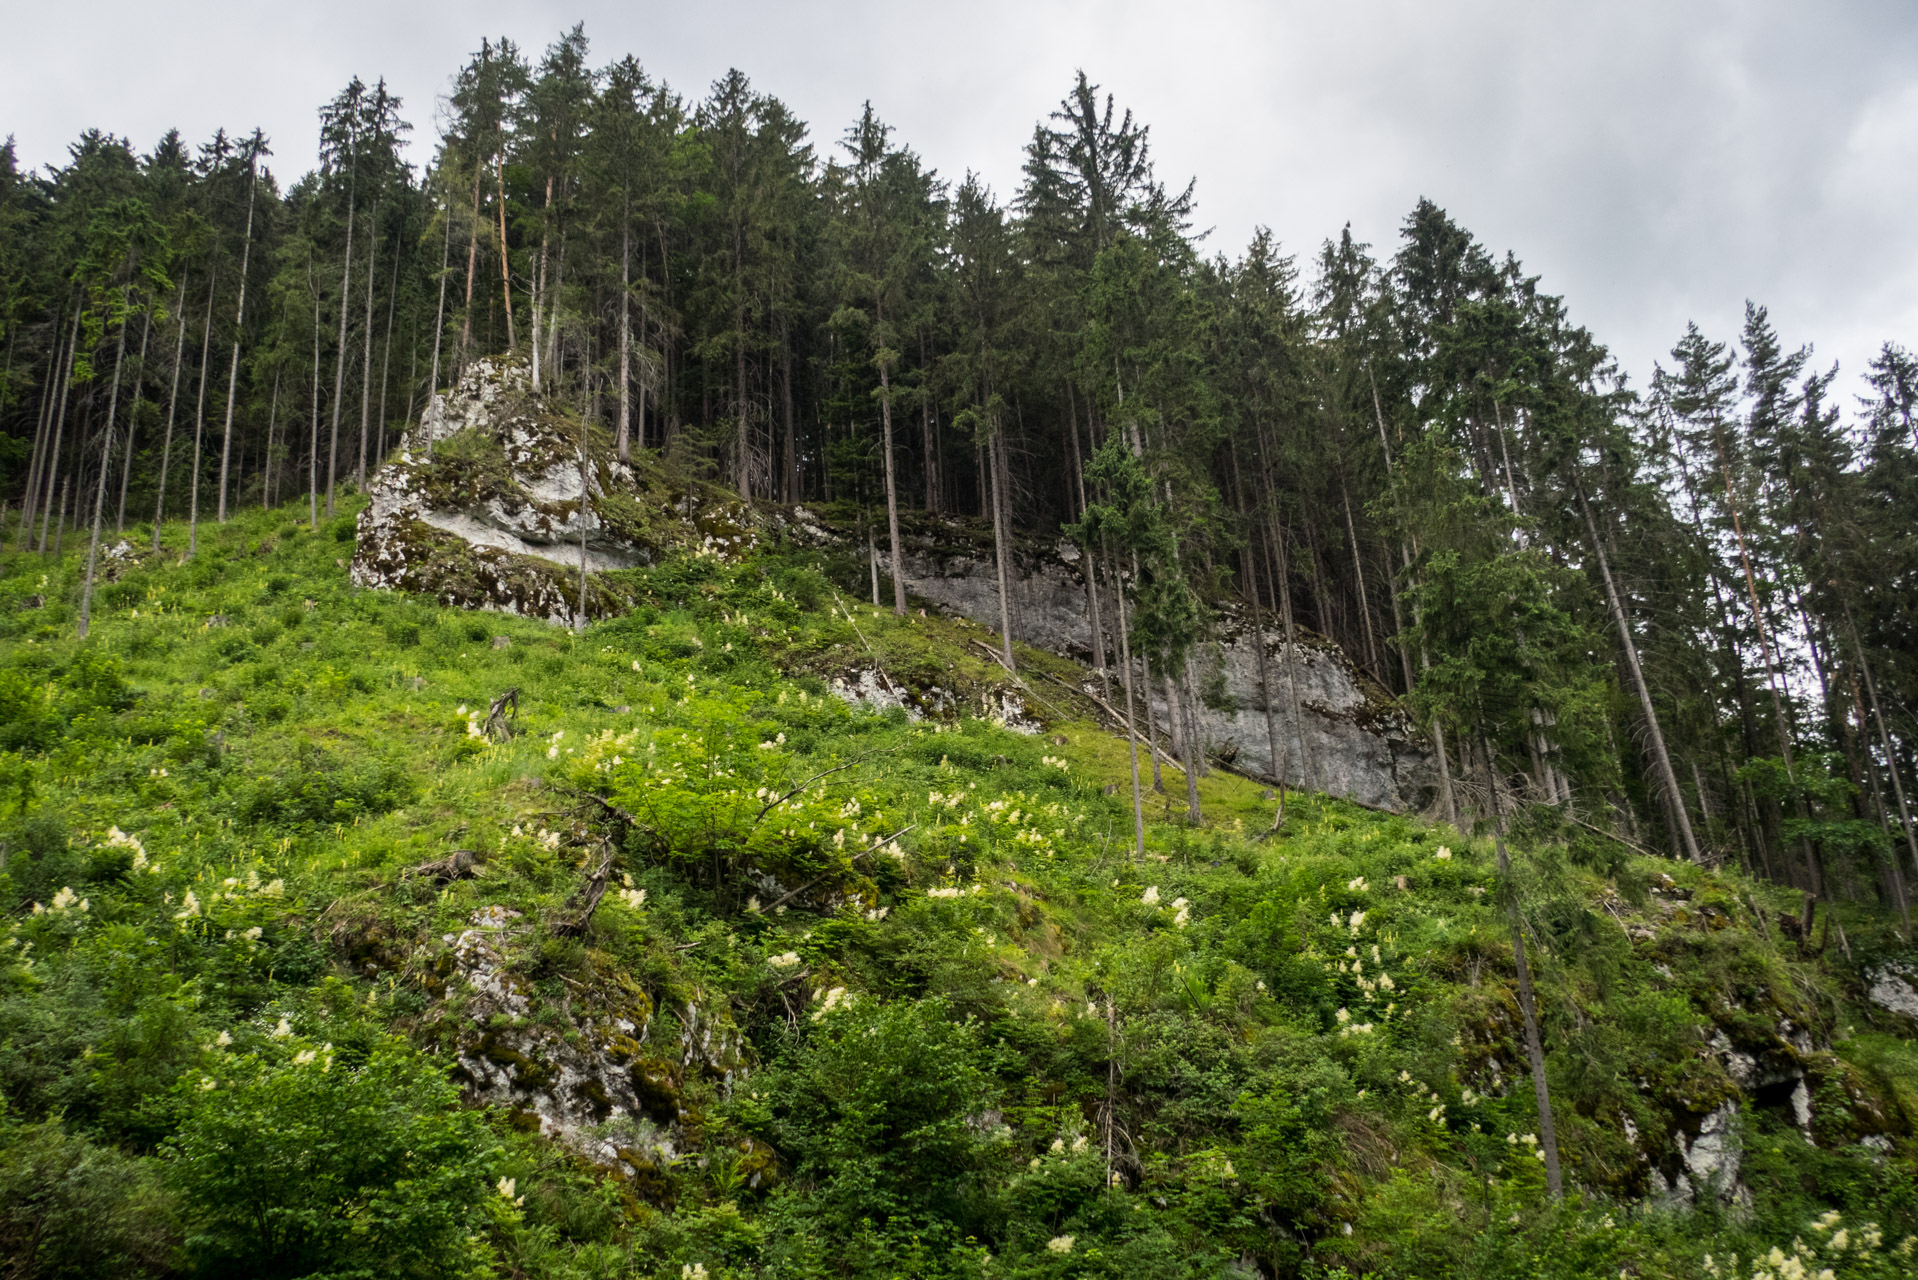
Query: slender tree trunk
{"type": "Point", "coordinates": [472, 266]}
{"type": "Point", "coordinates": [1667, 777]}
{"type": "Point", "coordinates": [100, 485]}
{"type": "Point", "coordinates": [1194, 760]}
{"type": "Point", "coordinates": [1527, 1001]}
{"type": "Point", "coordinates": [1258, 649]}
{"type": "Point", "coordinates": [199, 426]}
{"type": "Point", "coordinates": [366, 341]}
{"type": "Point", "coordinates": [743, 444]}
{"type": "Point", "coordinates": [585, 501]}
{"type": "Point", "coordinates": [624, 441]}
{"type": "Point", "coordinates": [539, 283]}
{"type": "Point", "coordinates": [1275, 548]}
{"type": "Point", "coordinates": [1092, 579]}
{"type": "Point", "coordinates": [313, 416]}
{"type": "Point", "coordinates": [505, 272]}
{"type": "Point", "coordinates": [791, 451]}
{"type": "Point", "coordinates": [239, 320]}
{"type": "Point", "coordinates": [386, 344]}
{"type": "Point", "coordinates": [269, 472]}
{"type": "Point", "coordinates": [172, 403]}
{"type": "Point", "coordinates": [1358, 570]}
{"type": "Point", "coordinates": [931, 468]}
{"type": "Point", "coordinates": [1131, 728]}
{"type": "Point", "coordinates": [892, 490]}
{"type": "Point", "coordinates": [42, 437]}
{"type": "Point", "coordinates": [60, 525]}
{"type": "Point", "coordinates": [1000, 538]}
{"type": "Point", "coordinates": [59, 429]}
{"type": "Point", "coordinates": [339, 358]}
{"type": "Point", "coordinates": [439, 317]}
{"type": "Point", "coordinates": [133, 421]}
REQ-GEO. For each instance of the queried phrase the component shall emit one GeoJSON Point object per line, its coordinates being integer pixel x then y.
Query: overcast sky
{"type": "Point", "coordinates": [1654, 160]}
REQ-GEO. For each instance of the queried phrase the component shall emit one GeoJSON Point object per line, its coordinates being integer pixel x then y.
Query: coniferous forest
{"type": "Point", "coordinates": [1660, 634]}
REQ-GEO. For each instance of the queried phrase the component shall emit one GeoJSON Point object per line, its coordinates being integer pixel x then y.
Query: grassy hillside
{"type": "Point", "coordinates": [753, 982]}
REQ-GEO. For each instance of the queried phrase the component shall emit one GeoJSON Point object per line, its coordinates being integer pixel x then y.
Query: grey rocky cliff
{"type": "Point", "coordinates": [1356, 744]}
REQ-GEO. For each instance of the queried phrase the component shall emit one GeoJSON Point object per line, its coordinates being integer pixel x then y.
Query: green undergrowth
{"type": "Point", "coordinates": [902, 999]}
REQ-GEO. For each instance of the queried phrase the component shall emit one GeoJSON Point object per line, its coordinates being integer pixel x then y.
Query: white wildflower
{"type": "Point", "coordinates": [189, 907]}
{"type": "Point", "coordinates": [283, 1030]}
{"type": "Point", "coordinates": [1151, 896]}
{"type": "Point", "coordinates": [1061, 1244]}
{"type": "Point", "coordinates": [1443, 854]}
{"type": "Point", "coordinates": [785, 960]}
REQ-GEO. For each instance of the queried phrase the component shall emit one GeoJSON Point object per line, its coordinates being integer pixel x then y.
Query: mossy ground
{"type": "Point", "coordinates": [1292, 1051]}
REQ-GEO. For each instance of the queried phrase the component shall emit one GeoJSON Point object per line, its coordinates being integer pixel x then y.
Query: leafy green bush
{"type": "Point", "coordinates": [73, 1209]}
{"type": "Point", "coordinates": [294, 1164]}
{"type": "Point", "coordinates": [884, 1111]}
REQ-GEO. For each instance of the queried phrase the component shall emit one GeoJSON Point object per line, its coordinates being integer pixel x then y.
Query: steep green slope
{"type": "Point", "coordinates": [754, 982]}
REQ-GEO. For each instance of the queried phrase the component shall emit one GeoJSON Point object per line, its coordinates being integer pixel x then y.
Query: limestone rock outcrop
{"type": "Point", "coordinates": [1348, 740]}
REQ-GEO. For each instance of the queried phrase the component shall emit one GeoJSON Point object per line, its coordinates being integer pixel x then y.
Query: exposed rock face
{"type": "Point", "coordinates": [483, 507]}
{"type": "Point", "coordinates": [1891, 988]}
{"type": "Point", "coordinates": [603, 1085]}
{"type": "Point", "coordinates": [1348, 740]}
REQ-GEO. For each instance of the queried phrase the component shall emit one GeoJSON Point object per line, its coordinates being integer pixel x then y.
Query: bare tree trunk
{"type": "Point", "coordinates": [60, 524]}
{"type": "Point", "coordinates": [743, 443]}
{"type": "Point", "coordinates": [623, 436]}
{"type": "Point", "coordinates": [239, 320]}
{"type": "Point", "coordinates": [1275, 553]}
{"type": "Point", "coordinates": [133, 421]}
{"type": "Point", "coordinates": [1092, 580]}
{"type": "Point", "coordinates": [172, 403]}
{"type": "Point", "coordinates": [100, 486]}
{"type": "Point", "coordinates": [386, 345]}
{"type": "Point", "coordinates": [439, 316]}
{"type": "Point", "coordinates": [1666, 775]}
{"type": "Point", "coordinates": [199, 427]}
{"type": "Point", "coordinates": [366, 341]}
{"type": "Point", "coordinates": [892, 487]}
{"type": "Point", "coordinates": [313, 417]}
{"type": "Point", "coordinates": [339, 357]}
{"type": "Point", "coordinates": [1131, 729]}
{"type": "Point", "coordinates": [1527, 1001]}
{"type": "Point", "coordinates": [268, 470]}
{"type": "Point", "coordinates": [1193, 756]}
{"type": "Point", "coordinates": [931, 468]}
{"type": "Point", "coordinates": [42, 437]}
{"type": "Point", "coordinates": [1000, 537]}
{"type": "Point", "coordinates": [1358, 569]}
{"type": "Point", "coordinates": [539, 283]}
{"type": "Point", "coordinates": [59, 429]}
{"type": "Point", "coordinates": [505, 272]}
{"type": "Point", "coordinates": [791, 452]}
{"type": "Point", "coordinates": [472, 265]}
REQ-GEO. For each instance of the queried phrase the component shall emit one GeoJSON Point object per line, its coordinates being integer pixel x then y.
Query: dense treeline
{"type": "Point", "coordinates": [1682, 616]}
